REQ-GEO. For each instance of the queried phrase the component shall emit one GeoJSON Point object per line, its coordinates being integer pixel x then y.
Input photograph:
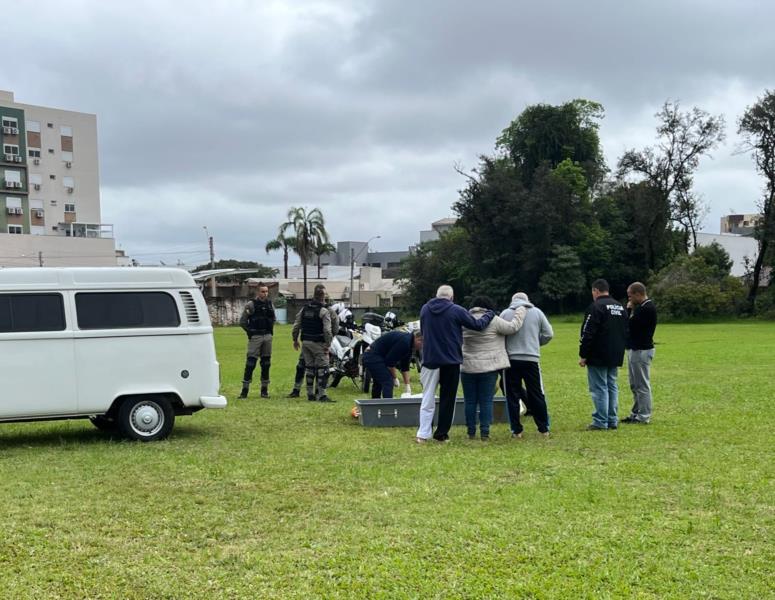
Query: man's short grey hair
{"type": "Point", "coordinates": [520, 296]}
{"type": "Point", "coordinates": [445, 291]}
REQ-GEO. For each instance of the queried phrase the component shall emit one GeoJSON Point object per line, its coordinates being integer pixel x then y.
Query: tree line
{"type": "Point", "coordinates": [544, 214]}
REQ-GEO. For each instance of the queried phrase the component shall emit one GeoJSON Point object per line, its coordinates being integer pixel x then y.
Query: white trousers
{"type": "Point", "coordinates": [429, 378]}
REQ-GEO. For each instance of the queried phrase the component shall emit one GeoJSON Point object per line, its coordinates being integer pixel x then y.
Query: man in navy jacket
{"type": "Point", "coordinates": [391, 350]}
{"type": "Point", "coordinates": [441, 321]}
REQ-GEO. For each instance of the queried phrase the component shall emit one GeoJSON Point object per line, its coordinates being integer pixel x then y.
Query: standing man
{"type": "Point", "coordinates": [524, 350]}
{"type": "Point", "coordinates": [441, 321]}
{"type": "Point", "coordinates": [258, 320]}
{"type": "Point", "coordinates": [301, 367]}
{"type": "Point", "coordinates": [391, 350]}
{"type": "Point", "coordinates": [640, 353]}
{"type": "Point", "coordinates": [601, 351]}
{"type": "Point", "coordinates": [313, 325]}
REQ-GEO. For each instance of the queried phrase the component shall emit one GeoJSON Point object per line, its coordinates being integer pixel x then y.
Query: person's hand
{"type": "Point", "coordinates": [396, 383]}
{"type": "Point", "coordinates": [582, 362]}
{"type": "Point", "coordinates": [296, 344]}
{"type": "Point", "coordinates": [630, 304]}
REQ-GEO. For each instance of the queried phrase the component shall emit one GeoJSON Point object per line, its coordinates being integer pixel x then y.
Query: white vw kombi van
{"type": "Point", "coordinates": [128, 348]}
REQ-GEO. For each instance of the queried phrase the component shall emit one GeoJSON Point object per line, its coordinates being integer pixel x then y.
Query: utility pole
{"type": "Point", "coordinates": [40, 258]}
{"type": "Point", "coordinates": [212, 260]}
{"type": "Point", "coordinates": [352, 268]}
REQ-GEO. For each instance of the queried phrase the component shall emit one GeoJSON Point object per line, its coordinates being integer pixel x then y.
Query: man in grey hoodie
{"type": "Point", "coordinates": [524, 350]}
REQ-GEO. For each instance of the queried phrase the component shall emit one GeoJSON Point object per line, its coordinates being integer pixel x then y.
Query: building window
{"type": "Point", "coordinates": [68, 182]}
{"type": "Point", "coordinates": [15, 229]}
{"type": "Point", "coordinates": [10, 149]}
{"type": "Point", "coordinates": [52, 177]}
{"type": "Point", "coordinates": [33, 152]}
{"type": "Point", "coordinates": [51, 151]}
{"type": "Point", "coordinates": [126, 310]}
{"type": "Point", "coordinates": [66, 131]}
{"type": "Point", "coordinates": [31, 312]}
{"type": "Point", "coordinates": [50, 125]}
{"type": "Point", "coordinates": [69, 208]}
{"type": "Point", "coordinates": [10, 122]}
{"type": "Point", "coordinates": [33, 126]}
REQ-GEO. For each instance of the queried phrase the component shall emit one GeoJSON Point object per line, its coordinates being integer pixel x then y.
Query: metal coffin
{"type": "Point", "coordinates": [405, 412]}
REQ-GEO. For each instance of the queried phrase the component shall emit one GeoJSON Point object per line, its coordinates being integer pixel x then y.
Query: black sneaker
{"type": "Point", "coordinates": [311, 398]}
{"type": "Point", "coordinates": [243, 393]}
{"type": "Point", "coordinates": [264, 393]}
{"type": "Point", "coordinates": [629, 419]}
{"type": "Point", "coordinates": [293, 394]}
{"type": "Point", "coordinates": [325, 398]}
{"type": "Point", "coordinates": [596, 428]}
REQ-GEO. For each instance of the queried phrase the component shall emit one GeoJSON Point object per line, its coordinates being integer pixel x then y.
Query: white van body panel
{"type": "Point", "coordinates": [81, 372]}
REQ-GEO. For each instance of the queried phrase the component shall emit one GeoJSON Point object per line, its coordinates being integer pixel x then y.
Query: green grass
{"type": "Point", "coordinates": [289, 499]}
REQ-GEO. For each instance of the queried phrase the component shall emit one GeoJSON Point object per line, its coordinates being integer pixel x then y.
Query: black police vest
{"type": "Point", "coordinates": [312, 323]}
{"type": "Point", "coordinates": [260, 321]}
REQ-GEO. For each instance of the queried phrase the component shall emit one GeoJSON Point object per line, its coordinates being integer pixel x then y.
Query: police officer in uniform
{"type": "Point", "coordinates": [258, 320]}
{"type": "Point", "coordinates": [313, 325]}
{"type": "Point", "coordinates": [301, 367]}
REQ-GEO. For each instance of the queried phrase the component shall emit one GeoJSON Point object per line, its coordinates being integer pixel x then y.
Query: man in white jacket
{"type": "Point", "coordinates": [524, 350]}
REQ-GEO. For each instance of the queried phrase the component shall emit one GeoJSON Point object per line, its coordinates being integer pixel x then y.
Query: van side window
{"type": "Point", "coordinates": [124, 310]}
{"type": "Point", "coordinates": [31, 312]}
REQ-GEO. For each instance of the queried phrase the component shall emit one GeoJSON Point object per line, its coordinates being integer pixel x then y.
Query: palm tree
{"type": "Point", "coordinates": [310, 230]}
{"type": "Point", "coordinates": [284, 243]}
{"type": "Point", "coordinates": [324, 247]}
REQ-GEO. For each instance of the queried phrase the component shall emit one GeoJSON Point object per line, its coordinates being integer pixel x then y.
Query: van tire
{"type": "Point", "coordinates": [146, 418]}
{"type": "Point", "coordinates": [104, 424]}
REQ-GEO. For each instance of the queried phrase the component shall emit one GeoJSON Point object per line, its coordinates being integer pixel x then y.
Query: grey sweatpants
{"type": "Point", "coordinates": [639, 366]}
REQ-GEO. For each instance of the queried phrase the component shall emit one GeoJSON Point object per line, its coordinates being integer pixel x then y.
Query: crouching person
{"type": "Point", "coordinates": [392, 350]}
{"type": "Point", "coordinates": [313, 326]}
{"type": "Point", "coordinates": [258, 320]}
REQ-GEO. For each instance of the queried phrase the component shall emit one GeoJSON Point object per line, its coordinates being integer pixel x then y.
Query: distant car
{"type": "Point", "coordinates": [127, 348]}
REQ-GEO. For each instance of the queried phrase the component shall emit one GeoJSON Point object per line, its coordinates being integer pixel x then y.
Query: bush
{"type": "Point", "coordinates": [690, 287]}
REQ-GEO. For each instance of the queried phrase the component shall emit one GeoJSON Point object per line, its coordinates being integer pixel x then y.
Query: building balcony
{"type": "Point", "coordinates": [85, 230]}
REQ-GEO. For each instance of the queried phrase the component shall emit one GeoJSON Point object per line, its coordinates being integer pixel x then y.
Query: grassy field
{"type": "Point", "coordinates": [284, 498]}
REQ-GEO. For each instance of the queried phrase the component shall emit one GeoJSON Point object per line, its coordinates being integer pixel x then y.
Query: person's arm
{"type": "Point", "coordinates": [588, 332]}
{"type": "Point", "coordinates": [545, 331]}
{"type": "Point", "coordinates": [272, 315]}
{"type": "Point", "coordinates": [243, 320]}
{"type": "Point", "coordinates": [296, 329]}
{"type": "Point", "coordinates": [326, 316]}
{"type": "Point", "coordinates": [466, 319]}
{"type": "Point", "coordinates": [503, 327]}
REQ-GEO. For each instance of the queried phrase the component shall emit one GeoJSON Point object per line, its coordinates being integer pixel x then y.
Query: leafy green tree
{"type": "Point", "coordinates": [284, 243]}
{"type": "Point", "coordinates": [757, 128]}
{"type": "Point", "coordinates": [310, 232]}
{"type": "Point", "coordinates": [552, 134]}
{"type": "Point", "coordinates": [563, 277]}
{"type": "Point", "coordinates": [684, 138]}
{"type": "Point", "coordinates": [446, 260]}
{"type": "Point", "coordinates": [716, 258]}
{"type": "Point", "coordinates": [325, 247]}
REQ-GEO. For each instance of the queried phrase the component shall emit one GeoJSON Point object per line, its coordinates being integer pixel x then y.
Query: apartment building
{"type": "Point", "coordinates": [49, 186]}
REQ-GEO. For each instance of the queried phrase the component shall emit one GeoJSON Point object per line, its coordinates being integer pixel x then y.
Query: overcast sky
{"type": "Point", "coordinates": [225, 114]}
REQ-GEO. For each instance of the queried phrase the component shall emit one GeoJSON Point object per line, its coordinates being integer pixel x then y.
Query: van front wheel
{"type": "Point", "coordinates": [147, 418]}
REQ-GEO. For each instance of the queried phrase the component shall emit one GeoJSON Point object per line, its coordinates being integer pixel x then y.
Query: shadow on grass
{"type": "Point", "coordinates": [87, 437]}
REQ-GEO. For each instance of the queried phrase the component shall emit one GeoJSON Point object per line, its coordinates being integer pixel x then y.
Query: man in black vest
{"type": "Point", "coordinates": [313, 325]}
{"type": "Point", "coordinates": [258, 322]}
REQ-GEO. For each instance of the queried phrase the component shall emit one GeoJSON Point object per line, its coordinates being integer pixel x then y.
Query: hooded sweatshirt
{"type": "Point", "coordinates": [534, 333]}
{"type": "Point", "coordinates": [440, 322]}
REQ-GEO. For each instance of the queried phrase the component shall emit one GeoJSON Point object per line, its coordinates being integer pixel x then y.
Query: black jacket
{"type": "Point", "coordinates": [604, 333]}
{"type": "Point", "coordinates": [643, 322]}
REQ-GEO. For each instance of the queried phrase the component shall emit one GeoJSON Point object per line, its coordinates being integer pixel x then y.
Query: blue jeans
{"type": "Point", "coordinates": [478, 391]}
{"type": "Point", "coordinates": [605, 396]}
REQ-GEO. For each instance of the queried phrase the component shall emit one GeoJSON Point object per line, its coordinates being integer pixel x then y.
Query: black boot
{"type": "Point", "coordinates": [294, 393]}
{"type": "Point", "coordinates": [244, 392]}
{"type": "Point", "coordinates": [265, 390]}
